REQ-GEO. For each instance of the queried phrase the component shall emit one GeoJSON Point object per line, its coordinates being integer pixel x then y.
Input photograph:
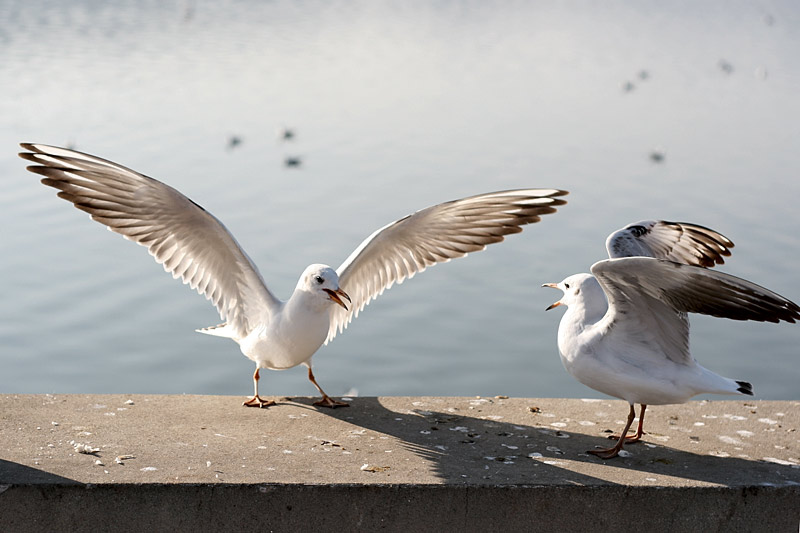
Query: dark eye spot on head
{"type": "Point", "coordinates": [318, 279]}
{"type": "Point", "coordinates": [566, 285]}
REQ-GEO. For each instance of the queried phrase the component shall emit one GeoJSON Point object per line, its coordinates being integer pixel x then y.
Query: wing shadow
{"type": "Point", "coordinates": [469, 448]}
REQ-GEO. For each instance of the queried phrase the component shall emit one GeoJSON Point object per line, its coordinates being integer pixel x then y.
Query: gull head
{"type": "Point", "coordinates": [323, 281]}
{"type": "Point", "coordinates": [576, 288]}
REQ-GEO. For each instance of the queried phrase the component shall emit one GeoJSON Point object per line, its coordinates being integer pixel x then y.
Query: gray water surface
{"type": "Point", "coordinates": [395, 106]}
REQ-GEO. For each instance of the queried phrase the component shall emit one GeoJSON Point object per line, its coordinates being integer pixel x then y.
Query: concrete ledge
{"type": "Point", "coordinates": [394, 463]}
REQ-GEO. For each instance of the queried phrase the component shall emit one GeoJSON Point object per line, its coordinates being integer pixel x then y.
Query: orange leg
{"type": "Point", "coordinates": [256, 400]}
{"type": "Point", "coordinates": [639, 432]}
{"type": "Point", "coordinates": [608, 453]}
{"type": "Point", "coordinates": [326, 400]}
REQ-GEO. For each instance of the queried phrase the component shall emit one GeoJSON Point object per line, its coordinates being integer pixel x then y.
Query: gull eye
{"type": "Point", "coordinates": [566, 285]}
{"type": "Point", "coordinates": [318, 279]}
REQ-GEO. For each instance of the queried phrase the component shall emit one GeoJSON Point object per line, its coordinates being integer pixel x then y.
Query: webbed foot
{"type": "Point", "coordinates": [258, 401]}
{"type": "Point", "coordinates": [327, 401]}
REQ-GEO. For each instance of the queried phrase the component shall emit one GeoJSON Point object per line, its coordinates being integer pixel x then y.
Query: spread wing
{"type": "Point", "coordinates": [649, 296]}
{"type": "Point", "coordinates": [437, 234]}
{"type": "Point", "coordinates": [182, 236]}
{"type": "Point", "coordinates": [677, 241]}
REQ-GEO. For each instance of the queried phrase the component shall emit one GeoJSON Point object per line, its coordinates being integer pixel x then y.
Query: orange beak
{"type": "Point", "coordinates": [335, 296]}
{"type": "Point", "coordinates": [552, 286]}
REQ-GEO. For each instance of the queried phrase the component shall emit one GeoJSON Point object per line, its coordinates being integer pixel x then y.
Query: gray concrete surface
{"type": "Point", "coordinates": [393, 463]}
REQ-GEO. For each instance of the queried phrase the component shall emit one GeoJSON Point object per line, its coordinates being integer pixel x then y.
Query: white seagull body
{"type": "Point", "coordinates": [194, 246]}
{"type": "Point", "coordinates": [626, 331]}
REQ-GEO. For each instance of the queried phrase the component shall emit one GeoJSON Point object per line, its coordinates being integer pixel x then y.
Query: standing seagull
{"type": "Point", "coordinates": [626, 332]}
{"type": "Point", "coordinates": [193, 245]}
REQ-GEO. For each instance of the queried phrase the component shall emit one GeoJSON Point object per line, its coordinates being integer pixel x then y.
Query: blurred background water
{"type": "Point", "coordinates": [682, 110]}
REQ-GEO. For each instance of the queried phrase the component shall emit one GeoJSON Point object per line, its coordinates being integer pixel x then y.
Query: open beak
{"type": "Point", "coordinates": [335, 296]}
{"type": "Point", "coordinates": [552, 286]}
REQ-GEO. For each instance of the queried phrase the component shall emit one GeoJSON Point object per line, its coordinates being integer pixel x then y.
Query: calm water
{"type": "Point", "coordinates": [395, 107]}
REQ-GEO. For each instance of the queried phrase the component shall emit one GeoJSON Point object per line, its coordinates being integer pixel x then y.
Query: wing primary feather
{"type": "Point", "coordinates": [693, 289]}
{"type": "Point", "coordinates": [184, 238]}
{"type": "Point", "coordinates": [437, 234]}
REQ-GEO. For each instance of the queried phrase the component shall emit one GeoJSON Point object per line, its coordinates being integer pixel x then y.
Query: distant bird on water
{"type": "Point", "coordinates": [292, 161]}
{"type": "Point", "coordinates": [285, 134]}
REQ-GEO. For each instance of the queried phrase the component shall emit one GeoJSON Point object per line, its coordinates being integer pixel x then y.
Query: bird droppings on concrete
{"type": "Point", "coordinates": [371, 468]}
{"type": "Point", "coordinates": [83, 448]}
{"type": "Point", "coordinates": [734, 417]}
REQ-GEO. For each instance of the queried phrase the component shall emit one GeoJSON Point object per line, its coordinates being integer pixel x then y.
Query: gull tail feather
{"type": "Point", "coordinates": [221, 330]}
{"type": "Point", "coordinates": [745, 388]}
{"type": "Point", "coordinates": [712, 383]}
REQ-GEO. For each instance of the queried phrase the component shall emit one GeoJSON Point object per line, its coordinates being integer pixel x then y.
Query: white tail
{"type": "Point", "coordinates": [222, 330]}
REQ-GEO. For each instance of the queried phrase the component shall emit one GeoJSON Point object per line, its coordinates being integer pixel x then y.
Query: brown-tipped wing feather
{"type": "Point", "coordinates": [649, 298]}
{"type": "Point", "coordinates": [437, 234]}
{"type": "Point", "coordinates": [681, 242]}
{"type": "Point", "coordinates": [187, 240]}
{"type": "Point", "coordinates": [692, 289]}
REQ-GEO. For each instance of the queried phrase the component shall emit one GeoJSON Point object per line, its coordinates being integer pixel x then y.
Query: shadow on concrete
{"type": "Point", "coordinates": [25, 475]}
{"type": "Point", "coordinates": [468, 449]}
